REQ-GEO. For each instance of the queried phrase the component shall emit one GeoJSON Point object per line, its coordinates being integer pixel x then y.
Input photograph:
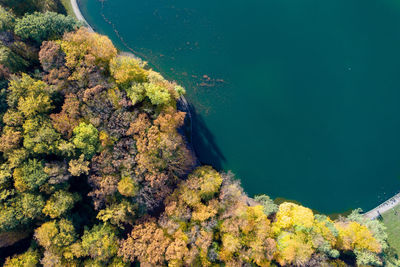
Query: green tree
{"type": "Point", "coordinates": [30, 205]}
{"type": "Point", "coordinates": [157, 94]}
{"type": "Point", "coordinates": [136, 92]}
{"type": "Point", "coordinates": [268, 204]}
{"type": "Point", "coordinates": [31, 97]}
{"type": "Point", "coordinates": [16, 157]}
{"type": "Point", "coordinates": [32, 104]}
{"type": "Point", "coordinates": [44, 26]}
{"type": "Point", "coordinates": [100, 242]}
{"type": "Point", "coordinates": [118, 214]}
{"type": "Point", "coordinates": [59, 203]}
{"type": "Point", "coordinates": [7, 20]}
{"type": "Point", "coordinates": [20, 210]}
{"type": "Point", "coordinates": [11, 60]}
{"type": "Point", "coordinates": [20, 7]}
{"type": "Point", "coordinates": [56, 234]}
{"type": "Point", "coordinates": [29, 176]}
{"type": "Point", "coordinates": [40, 136]}
{"type": "Point", "coordinates": [86, 139]}
{"type": "Point", "coordinates": [28, 259]}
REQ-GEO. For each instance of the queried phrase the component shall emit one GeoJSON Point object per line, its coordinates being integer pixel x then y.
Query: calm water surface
{"type": "Point", "coordinates": [299, 98]}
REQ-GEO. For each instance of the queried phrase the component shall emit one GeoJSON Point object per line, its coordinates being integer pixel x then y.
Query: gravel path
{"type": "Point", "coordinates": [79, 15]}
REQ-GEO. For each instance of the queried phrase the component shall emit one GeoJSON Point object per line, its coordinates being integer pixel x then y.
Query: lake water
{"type": "Point", "coordinates": [299, 98]}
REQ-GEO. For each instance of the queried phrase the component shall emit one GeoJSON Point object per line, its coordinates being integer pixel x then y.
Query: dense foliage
{"type": "Point", "coordinates": [44, 26]}
{"type": "Point", "coordinates": [20, 7]}
{"type": "Point", "coordinates": [95, 172]}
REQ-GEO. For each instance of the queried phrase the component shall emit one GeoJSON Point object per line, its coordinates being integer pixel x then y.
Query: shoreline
{"type": "Point", "coordinates": [371, 214]}
{"type": "Point", "coordinates": [182, 103]}
{"type": "Point", "coordinates": [78, 14]}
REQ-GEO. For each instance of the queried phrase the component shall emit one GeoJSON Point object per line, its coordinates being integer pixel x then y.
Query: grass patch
{"type": "Point", "coordinates": [391, 219]}
{"type": "Point", "coordinates": [68, 7]}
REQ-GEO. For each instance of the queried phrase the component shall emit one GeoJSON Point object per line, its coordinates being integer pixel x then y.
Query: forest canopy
{"type": "Point", "coordinates": [94, 170]}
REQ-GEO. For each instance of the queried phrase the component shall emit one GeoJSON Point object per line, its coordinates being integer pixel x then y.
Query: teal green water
{"type": "Point", "coordinates": [300, 98]}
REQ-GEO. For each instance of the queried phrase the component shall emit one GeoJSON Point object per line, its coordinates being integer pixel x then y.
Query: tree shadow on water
{"type": "Point", "coordinates": [204, 142]}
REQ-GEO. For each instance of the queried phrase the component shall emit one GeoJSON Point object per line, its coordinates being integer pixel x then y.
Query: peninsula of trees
{"type": "Point", "coordinates": [94, 172]}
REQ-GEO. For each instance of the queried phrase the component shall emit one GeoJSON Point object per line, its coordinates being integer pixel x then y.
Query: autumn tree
{"type": "Point", "coordinates": [157, 90]}
{"type": "Point", "coordinates": [10, 139]}
{"type": "Point", "coordinates": [55, 235]}
{"type": "Point", "coordinates": [27, 259]}
{"type": "Point", "coordinates": [29, 96]}
{"type": "Point", "coordinates": [104, 187]}
{"type": "Point", "coordinates": [246, 237]}
{"type": "Point", "coordinates": [57, 172]}
{"type": "Point", "coordinates": [29, 102]}
{"type": "Point", "coordinates": [139, 84]}
{"type": "Point", "coordinates": [146, 243]}
{"type": "Point", "coordinates": [291, 227]}
{"type": "Point", "coordinates": [358, 238]}
{"type": "Point", "coordinates": [127, 187]}
{"type": "Point", "coordinates": [85, 50]}
{"type": "Point", "coordinates": [65, 121]}
{"type": "Point", "coordinates": [4, 76]}
{"type": "Point", "coordinates": [51, 56]}
{"type": "Point", "coordinates": [40, 137]}
{"type": "Point", "coordinates": [79, 166]}
{"type": "Point", "coordinates": [118, 214]}
{"type": "Point", "coordinates": [59, 203]}
{"type": "Point", "coordinates": [127, 70]}
{"type": "Point", "coordinates": [29, 176]}
{"type": "Point", "coordinates": [112, 171]}
{"type": "Point", "coordinates": [196, 219]}
{"type": "Point", "coordinates": [376, 227]}
{"type": "Point", "coordinates": [93, 124]}
{"type": "Point", "coordinates": [157, 94]}
{"type": "Point", "coordinates": [162, 153]}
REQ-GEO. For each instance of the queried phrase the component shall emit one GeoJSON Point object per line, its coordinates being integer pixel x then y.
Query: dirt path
{"type": "Point", "coordinates": [79, 15]}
